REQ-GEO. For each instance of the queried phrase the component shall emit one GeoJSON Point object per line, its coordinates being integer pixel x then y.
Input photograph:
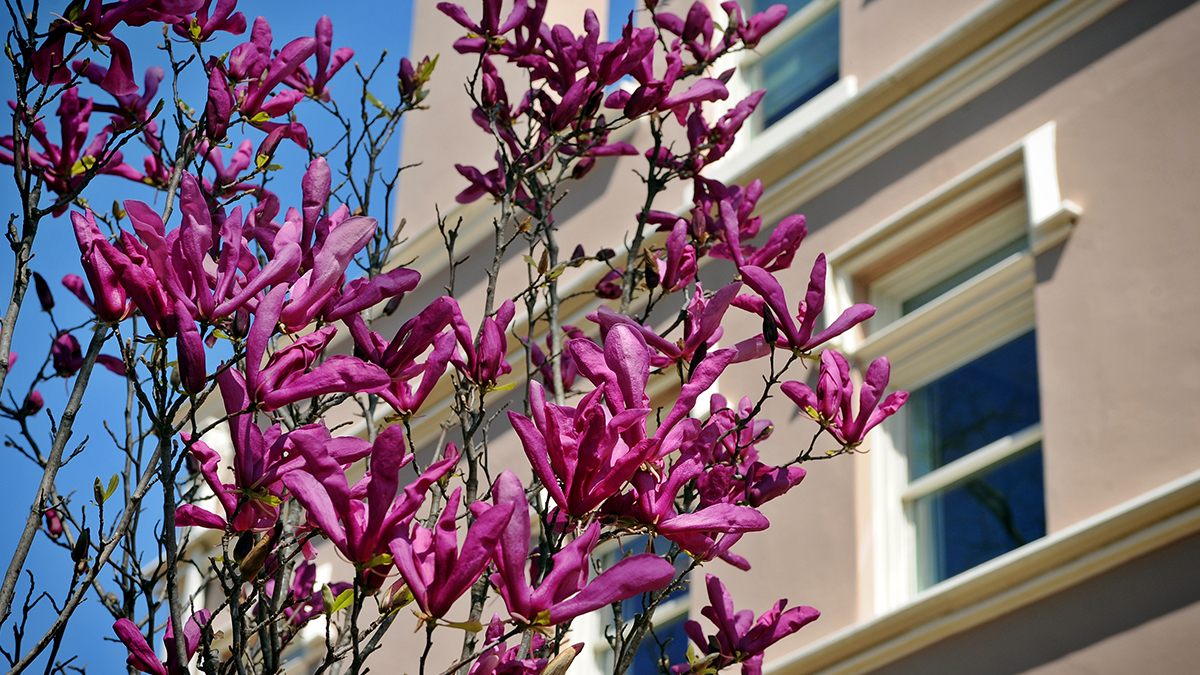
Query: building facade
{"type": "Point", "coordinates": [1013, 183]}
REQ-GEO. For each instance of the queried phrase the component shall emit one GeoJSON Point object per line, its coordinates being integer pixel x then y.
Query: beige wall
{"type": "Point", "coordinates": [1117, 307]}
{"type": "Point", "coordinates": [876, 34]}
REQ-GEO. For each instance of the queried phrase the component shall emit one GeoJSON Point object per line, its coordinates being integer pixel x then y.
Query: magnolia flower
{"type": "Point", "coordinates": [486, 363]}
{"type": "Point", "coordinates": [143, 658]}
{"type": "Point", "coordinates": [436, 571]}
{"type": "Point", "coordinates": [798, 337]}
{"type": "Point", "coordinates": [830, 405]}
{"type": "Point", "coordinates": [361, 529]}
{"type": "Point", "coordinates": [565, 593]}
{"type": "Point", "coordinates": [740, 639]}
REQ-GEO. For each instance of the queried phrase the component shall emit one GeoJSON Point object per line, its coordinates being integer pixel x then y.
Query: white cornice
{"type": "Point", "coordinates": [967, 59]}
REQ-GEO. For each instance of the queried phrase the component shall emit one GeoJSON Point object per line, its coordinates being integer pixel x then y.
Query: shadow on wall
{"type": "Point", "coordinates": [1161, 587]}
{"type": "Point", "coordinates": [1079, 51]}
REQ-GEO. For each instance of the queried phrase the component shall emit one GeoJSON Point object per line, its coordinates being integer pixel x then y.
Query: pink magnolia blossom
{"type": "Point", "coordinates": [360, 520]}
{"type": "Point", "coordinates": [739, 638]}
{"type": "Point", "coordinates": [798, 337]}
{"type": "Point", "coordinates": [430, 561]}
{"type": "Point", "coordinates": [830, 405]}
{"type": "Point", "coordinates": [566, 592]}
{"type": "Point", "coordinates": [144, 659]}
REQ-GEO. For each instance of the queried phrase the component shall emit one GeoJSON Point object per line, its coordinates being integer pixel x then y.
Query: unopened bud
{"type": "Point", "coordinates": [242, 548]}
{"type": "Point", "coordinates": [326, 600]}
{"type": "Point", "coordinates": [43, 292]}
{"type": "Point", "coordinates": [33, 403]}
{"type": "Point", "coordinates": [605, 254]}
{"type": "Point", "coordinates": [770, 328]}
{"type": "Point", "coordinates": [397, 597]}
{"type": "Point", "coordinates": [392, 305]}
{"type": "Point", "coordinates": [241, 323]}
{"type": "Point", "coordinates": [98, 491]}
{"type": "Point", "coordinates": [583, 167]}
{"type": "Point", "coordinates": [560, 663]}
{"type": "Point", "coordinates": [578, 254]}
{"type": "Point", "coordinates": [544, 263]}
{"type": "Point", "coordinates": [252, 563]}
{"type": "Point", "coordinates": [79, 552]}
{"type": "Point", "coordinates": [651, 275]}
{"type": "Point", "coordinates": [53, 523]}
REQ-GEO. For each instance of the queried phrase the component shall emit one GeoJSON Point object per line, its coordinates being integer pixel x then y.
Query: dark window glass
{"type": "Point", "coordinates": [981, 402]}
{"type": "Point", "coordinates": [801, 68]}
{"type": "Point", "coordinates": [793, 6]}
{"type": "Point", "coordinates": [989, 515]}
{"type": "Point", "coordinates": [649, 658]}
{"type": "Point", "coordinates": [930, 294]}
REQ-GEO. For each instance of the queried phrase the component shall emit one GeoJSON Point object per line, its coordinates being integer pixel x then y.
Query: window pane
{"type": "Point", "coordinates": [649, 657]}
{"type": "Point", "coordinates": [800, 69]}
{"type": "Point", "coordinates": [793, 6]}
{"type": "Point", "coordinates": [929, 295]}
{"type": "Point", "coordinates": [992, 514]}
{"type": "Point", "coordinates": [983, 401]}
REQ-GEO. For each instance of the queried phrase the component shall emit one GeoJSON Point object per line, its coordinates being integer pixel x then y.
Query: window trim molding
{"type": "Point", "coordinates": [982, 313]}
{"type": "Point", "coordinates": [1007, 583]}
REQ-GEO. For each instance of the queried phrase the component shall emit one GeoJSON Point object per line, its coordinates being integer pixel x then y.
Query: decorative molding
{"type": "Point", "coordinates": [967, 59]}
{"type": "Point", "coordinates": [1005, 584]}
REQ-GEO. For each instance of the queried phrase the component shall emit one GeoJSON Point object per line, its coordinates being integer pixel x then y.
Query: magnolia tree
{"type": "Point", "coordinates": [219, 307]}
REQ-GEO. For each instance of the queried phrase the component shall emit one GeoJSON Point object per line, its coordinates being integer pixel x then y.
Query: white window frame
{"type": "Point", "coordinates": [754, 141]}
{"type": "Point", "coordinates": [1003, 294]}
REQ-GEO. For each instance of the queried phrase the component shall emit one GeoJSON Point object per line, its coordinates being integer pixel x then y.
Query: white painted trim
{"type": "Point", "coordinates": [751, 151]}
{"type": "Point", "coordinates": [964, 467]}
{"type": "Point", "coordinates": [1005, 584]}
{"type": "Point", "coordinates": [978, 315]}
{"type": "Point", "coordinates": [863, 136]}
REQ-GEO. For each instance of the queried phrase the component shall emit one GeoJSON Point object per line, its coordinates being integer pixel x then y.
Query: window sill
{"type": "Point", "coordinates": [773, 140]}
{"type": "Point", "coordinates": [1017, 579]}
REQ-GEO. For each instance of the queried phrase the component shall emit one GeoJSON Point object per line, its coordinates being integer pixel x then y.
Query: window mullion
{"type": "Point", "coordinates": [972, 464]}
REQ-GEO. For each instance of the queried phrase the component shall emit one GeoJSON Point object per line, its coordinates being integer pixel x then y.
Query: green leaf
{"type": "Point", "coordinates": [342, 601]}
{"type": "Point", "coordinates": [381, 559]}
{"type": "Point", "coordinates": [112, 486]}
{"type": "Point", "coordinates": [376, 102]}
{"type": "Point", "coordinates": [260, 117]}
{"type": "Point", "coordinates": [471, 626]}
{"type": "Point", "coordinates": [531, 261]}
{"type": "Point", "coordinates": [261, 161]}
{"type": "Point", "coordinates": [504, 387]}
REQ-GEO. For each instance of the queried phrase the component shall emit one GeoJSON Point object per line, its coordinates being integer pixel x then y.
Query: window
{"type": "Point", "coordinates": [974, 462]}
{"type": "Point", "coordinates": [798, 60]}
{"type": "Point", "coordinates": [802, 59]}
{"type": "Point", "coordinates": [957, 478]}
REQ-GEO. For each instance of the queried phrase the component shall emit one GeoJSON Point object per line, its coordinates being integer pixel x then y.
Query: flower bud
{"type": "Point", "coordinates": [53, 523]}
{"type": "Point", "coordinates": [770, 328]}
{"type": "Point", "coordinates": [43, 292]}
{"type": "Point", "coordinates": [66, 354]}
{"type": "Point", "coordinates": [241, 323]}
{"type": "Point", "coordinates": [651, 275]}
{"type": "Point", "coordinates": [605, 254]}
{"type": "Point", "coordinates": [79, 552]}
{"type": "Point", "coordinates": [243, 546]}
{"type": "Point", "coordinates": [397, 597]}
{"type": "Point", "coordinates": [33, 403]}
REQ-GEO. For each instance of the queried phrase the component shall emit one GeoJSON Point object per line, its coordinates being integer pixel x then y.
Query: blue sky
{"type": "Point", "coordinates": [368, 30]}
